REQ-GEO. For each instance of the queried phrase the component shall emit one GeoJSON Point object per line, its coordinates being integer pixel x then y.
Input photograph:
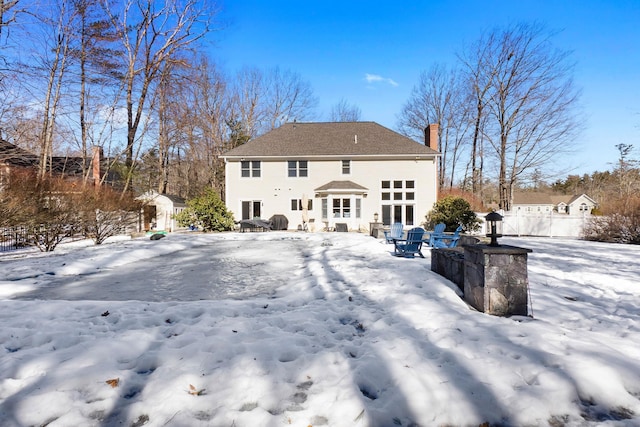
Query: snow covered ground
{"type": "Point", "coordinates": [326, 329]}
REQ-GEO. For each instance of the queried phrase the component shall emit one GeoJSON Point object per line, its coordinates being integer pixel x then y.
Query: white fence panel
{"type": "Point", "coordinates": [543, 225]}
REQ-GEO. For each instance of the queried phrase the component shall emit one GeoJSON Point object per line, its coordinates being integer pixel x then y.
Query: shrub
{"type": "Point", "coordinates": [46, 207]}
{"type": "Point", "coordinates": [54, 209]}
{"type": "Point", "coordinates": [616, 228]}
{"type": "Point", "coordinates": [106, 213]}
{"type": "Point", "coordinates": [453, 211]}
{"type": "Point", "coordinates": [207, 212]}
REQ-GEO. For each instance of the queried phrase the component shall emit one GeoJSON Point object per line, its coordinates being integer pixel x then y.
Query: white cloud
{"type": "Point", "coordinates": [376, 78]}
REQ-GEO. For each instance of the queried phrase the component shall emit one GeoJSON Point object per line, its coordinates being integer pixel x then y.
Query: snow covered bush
{"type": "Point", "coordinates": [615, 228]}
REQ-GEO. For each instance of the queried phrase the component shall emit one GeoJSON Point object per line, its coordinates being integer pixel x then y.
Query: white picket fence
{"type": "Point", "coordinates": [543, 225]}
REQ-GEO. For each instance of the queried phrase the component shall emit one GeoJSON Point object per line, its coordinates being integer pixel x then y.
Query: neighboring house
{"type": "Point", "coordinates": [159, 210]}
{"type": "Point", "coordinates": [333, 173]}
{"type": "Point", "coordinates": [14, 158]}
{"type": "Point", "coordinates": [535, 202]}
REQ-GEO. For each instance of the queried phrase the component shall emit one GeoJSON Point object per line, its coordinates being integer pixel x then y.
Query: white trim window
{"type": "Point", "coordinates": [398, 201]}
{"type": "Point", "coordinates": [251, 209]}
{"type": "Point", "coordinates": [346, 167]}
{"type": "Point", "coordinates": [296, 204]}
{"type": "Point", "coordinates": [342, 207]}
{"type": "Point", "coordinates": [250, 169]}
{"type": "Point", "coordinates": [297, 168]}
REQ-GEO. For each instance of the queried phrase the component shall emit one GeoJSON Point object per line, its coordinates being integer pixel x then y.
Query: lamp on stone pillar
{"type": "Point", "coordinates": [494, 227]}
{"type": "Point", "coordinates": [375, 217]}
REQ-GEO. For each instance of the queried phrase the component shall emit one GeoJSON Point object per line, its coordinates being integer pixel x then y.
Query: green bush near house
{"type": "Point", "coordinates": [208, 212]}
{"type": "Point", "coordinates": [453, 211]}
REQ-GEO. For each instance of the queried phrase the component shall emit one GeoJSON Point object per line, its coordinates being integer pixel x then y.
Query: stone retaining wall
{"type": "Point", "coordinates": [493, 279]}
{"type": "Point", "coordinates": [449, 263]}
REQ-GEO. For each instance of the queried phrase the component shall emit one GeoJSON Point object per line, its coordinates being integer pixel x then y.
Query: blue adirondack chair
{"type": "Point", "coordinates": [395, 232]}
{"type": "Point", "coordinates": [438, 230]}
{"type": "Point", "coordinates": [446, 240]}
{"type": "Point", "coordinates": [410, 246]}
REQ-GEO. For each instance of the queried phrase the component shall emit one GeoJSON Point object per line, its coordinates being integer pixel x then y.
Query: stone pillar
{"type": "Point", "coordinates": [495, 279]}
{"type": "Point", "coordinates": [376, 230]}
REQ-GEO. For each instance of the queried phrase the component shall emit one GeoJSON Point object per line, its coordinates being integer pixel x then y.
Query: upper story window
{"type": "Point", "coordinates": [250, 169]}
{"type": "Point", "coordinates": [346, 167]}
{"type": "Point", "coordinates": [402, 190]}
{"type": "Point", "coordinates": [297, 168]}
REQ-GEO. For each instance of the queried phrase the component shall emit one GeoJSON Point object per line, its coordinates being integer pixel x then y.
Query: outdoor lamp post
{"type": "Point", "coordinates": [494, 227]}
{"type": "Point", "coordinates": [375, 217]}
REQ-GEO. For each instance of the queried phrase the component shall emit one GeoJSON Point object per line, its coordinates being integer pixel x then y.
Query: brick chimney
{"type": "Point", "coordinates": [95, 165]}
{"type": "Point", "coordinates": [431, 136]}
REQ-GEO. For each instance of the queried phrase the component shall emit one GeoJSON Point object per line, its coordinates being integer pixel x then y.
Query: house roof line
{"type": "Point", "coordinates": [337, 156]}
{"type": "Point", "coordinates": [345, 185]}
{"type": "Point", "coordinates": [539, 198]}
{"type": "Point", "coordinates": [331, 140]}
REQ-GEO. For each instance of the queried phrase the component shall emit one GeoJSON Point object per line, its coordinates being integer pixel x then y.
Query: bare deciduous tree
{"type": "Point", "coordinates": [288, 98]}
{"type": "Point", "coordinates": [263, 100]}
{"type": "Point", "coordinates": [344, 112]}
{"type": "Point", "coordinates": [8, 14]}
{"type": "Point", "coordinates": [151, 34]}
{"type": "Point", "coordinates": [438, 98]}
{"type": "Point", "coordinates": [53, 60]}
{"type": "Point", "coordinates": [530, 103]}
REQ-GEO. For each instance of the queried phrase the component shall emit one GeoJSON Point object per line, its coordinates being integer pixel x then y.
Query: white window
{"type": "Point", "coordinates": [250, 169]}
{"type": "Point", "coordinates": [346, 167]}
{"type": "Point", "coordinates": [398, 201]}
{"type": "Point", "coordinates": [296, 204]}
{"type": "Point", "coordinates": [297, 168]}
{"type": "Point", "coordinates": [342, 208]}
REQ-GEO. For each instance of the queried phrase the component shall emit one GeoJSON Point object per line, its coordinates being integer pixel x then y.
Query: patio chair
{"type": "Point", "coordinates": [396, 231]}
{"type": "Point", "coordinates": [438, 230]}
{"type": "Point", "coordinates": [446, 240]}
{"type": "Point", "coordinates": [410, 246]}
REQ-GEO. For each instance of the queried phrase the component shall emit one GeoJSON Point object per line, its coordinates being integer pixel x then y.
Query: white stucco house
{"type": "Point", "coordinates": [328, 175]}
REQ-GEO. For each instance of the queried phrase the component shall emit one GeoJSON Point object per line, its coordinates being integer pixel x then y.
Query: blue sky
{"type": "Point", "coordinates": [372, 53]}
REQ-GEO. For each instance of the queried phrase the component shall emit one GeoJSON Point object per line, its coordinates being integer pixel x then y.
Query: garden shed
{"type": "Point", "coordinates": [159, 210]}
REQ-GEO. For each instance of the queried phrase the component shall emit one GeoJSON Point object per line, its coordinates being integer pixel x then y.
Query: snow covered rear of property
{"type": "Point", "coordinates": [280, 328]}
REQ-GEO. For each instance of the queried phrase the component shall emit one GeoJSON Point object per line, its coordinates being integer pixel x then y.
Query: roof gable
{"type": "Point", "coordinates": [154, 196]}
{"type": "Point", "coordinates": [13, 155]}
{"type": "Point", "coordinates": [583, 198]}
{"type": "Point", "coordinates": [341, 185]}
{"type": "Point", "coordinates": [330, 139]}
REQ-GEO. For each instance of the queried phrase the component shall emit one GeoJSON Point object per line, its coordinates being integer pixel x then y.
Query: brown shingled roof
{"type": "Point", "coordinates": [532, 198]}
{"type": "Point", "coordinates": [13, 155]}
{"type": "Point", "coordinates": [341, 185]}
{"type": "Point", "coordinates": [538, 198]}
{"type": "Point", "coordinates": [330, 139]}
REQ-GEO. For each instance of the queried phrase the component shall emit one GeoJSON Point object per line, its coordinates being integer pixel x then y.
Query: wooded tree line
{"type": "Point", "coordinates": [128, 76]}
{"type": "Point", "coordinates": [506, 109]}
